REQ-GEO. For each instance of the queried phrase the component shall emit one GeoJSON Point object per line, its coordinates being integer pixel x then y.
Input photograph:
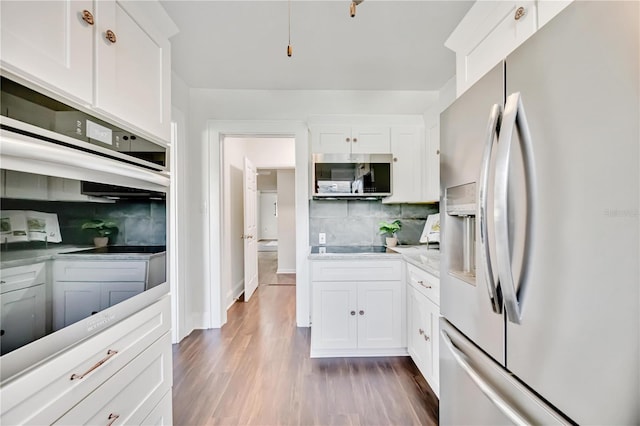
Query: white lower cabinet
{"type": "Point", "coordinates": [118, 376]}
{"type": "Point", "coordinates": [357, 308]}
{"type": "Point", "coordinates": [77, 293]}
{"type": "Point", "coordinates": [422, 324]}
{"type": "Point", "coordinates": [22, 305]}
{"type": "Point", "coordinates": [162, 414]}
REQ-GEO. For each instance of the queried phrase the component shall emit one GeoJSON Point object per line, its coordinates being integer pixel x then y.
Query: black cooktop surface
{"type": "Point", "coordinates": [347, 249]}
{"type": "Point", "coordinates": [122, 250]}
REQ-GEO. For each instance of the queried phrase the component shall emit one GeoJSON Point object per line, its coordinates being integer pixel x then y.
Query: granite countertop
{"type": "Point", "coordinates": [427, 259]}
{"type": "Point", "coordinates": [9, 258]}
{"type": "Point", "coordinates": [419, 256]}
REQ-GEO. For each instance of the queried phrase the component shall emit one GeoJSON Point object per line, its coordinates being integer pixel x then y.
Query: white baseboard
{"type": "Point", "coordinates": [286, 271]}
{"type": "Point", "coordinates": [235, 292]}
{"type": "Point", "coordinates": [345, 353]}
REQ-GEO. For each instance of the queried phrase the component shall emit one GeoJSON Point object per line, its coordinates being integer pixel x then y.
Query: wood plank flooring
{"type": "Point", "coordinates": [256, 370]}
{"type": "Point", "coordinates": [267, 267]}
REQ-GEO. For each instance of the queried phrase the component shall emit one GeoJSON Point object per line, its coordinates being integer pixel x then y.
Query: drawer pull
{"type": "Point", "coordinates": [421, 331]}
{"type": "Point", "coordinates": [3, 282]}
{"type": "Point", "coordinates": [110, 353]}
{"type": "Point", "coordinates": [427, 338]}
{"type": "Point", "coordinates": [422, 283]}
{"type": "Point", "coordinates": [353, 313]}
{"type": "Point", "coordinates": [361, 312]}
{"type": "Point", "coordinates": [113, 418]}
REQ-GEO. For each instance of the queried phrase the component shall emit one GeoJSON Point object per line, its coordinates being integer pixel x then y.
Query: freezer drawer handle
{"type": "Point", "coordinates": [492, 134]}
{"type": "Point", "coordinates": [486, 389]}
{"type": "Point", "coordinates": [514, 115]}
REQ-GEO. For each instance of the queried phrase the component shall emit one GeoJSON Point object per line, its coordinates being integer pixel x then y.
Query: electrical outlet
{"type": "Point", "coordinates": [322, 238]}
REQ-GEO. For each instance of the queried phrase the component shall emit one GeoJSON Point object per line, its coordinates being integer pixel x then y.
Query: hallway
{"type": "Point", "coordinates": [256, 370]}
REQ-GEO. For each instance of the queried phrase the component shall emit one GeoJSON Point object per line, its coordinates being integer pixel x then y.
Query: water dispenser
{"type": "Point", "coordinates": [461, 208]}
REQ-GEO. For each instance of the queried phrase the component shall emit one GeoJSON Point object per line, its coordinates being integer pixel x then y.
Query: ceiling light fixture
{"type": "Point", "coordinates": [289, 48]}
{"type": "Point", "coordinates": [352, 8]}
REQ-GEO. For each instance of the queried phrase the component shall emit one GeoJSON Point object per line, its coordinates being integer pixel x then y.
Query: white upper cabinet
{"type": "Point", "coordinates": [491, 30]}
{"type": "Point", "coordinates": [338, 139]}
{"type": "Point", "coordinates": [50, 44]}
{"type": "Point", "coordinates": [107, 56]}
{"type": "Point", "coordinates": [407, 145]}
{"type": "Point", "coordinates": [133, 69]}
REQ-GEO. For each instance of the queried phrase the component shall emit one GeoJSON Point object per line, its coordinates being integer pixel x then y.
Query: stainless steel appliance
{"type": "Point", "coordinates": [351, 176]}
{"type": "Point", "coordinates": [545, 327]}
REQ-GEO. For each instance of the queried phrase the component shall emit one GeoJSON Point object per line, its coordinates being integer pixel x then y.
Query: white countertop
{"type": "Point", "coordinates": [11, 258]}
{"type": "Point", "coordinates": [427, 259]}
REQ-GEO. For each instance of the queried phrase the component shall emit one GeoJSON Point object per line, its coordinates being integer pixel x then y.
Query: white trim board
{"type": "Point", "coordinates": [214, 273]}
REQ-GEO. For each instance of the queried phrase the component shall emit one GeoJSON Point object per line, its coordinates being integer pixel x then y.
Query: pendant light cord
{"type": "Point", "coordinates": [289, 48]}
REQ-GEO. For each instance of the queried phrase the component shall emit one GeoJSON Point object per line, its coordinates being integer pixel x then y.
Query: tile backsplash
{"type": "Point", "coordinates": [140, 222]}
{"type": "Point", "coordinates": [353, 223]}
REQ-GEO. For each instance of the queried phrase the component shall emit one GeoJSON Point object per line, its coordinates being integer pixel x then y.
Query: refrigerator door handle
{"type": "Point", "coordinates": [485, 387]}
{"type": "Point", "coordinates": [514, 115]}
{"type": "Point", "coordinates": [485, 255]}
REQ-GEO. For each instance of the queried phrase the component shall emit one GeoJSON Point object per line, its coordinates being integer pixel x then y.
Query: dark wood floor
{"type": "Point", "coordinates": [256, 370]}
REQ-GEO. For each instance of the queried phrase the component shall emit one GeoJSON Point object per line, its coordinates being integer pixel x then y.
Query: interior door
{"type": "Point", "coordinates": [577, 343]}
{"type": "Point", "coordinates": [250, 229]}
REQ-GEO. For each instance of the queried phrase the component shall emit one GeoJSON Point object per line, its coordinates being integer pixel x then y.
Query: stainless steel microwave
{"type": "Point", "coordinates": [352, 176]}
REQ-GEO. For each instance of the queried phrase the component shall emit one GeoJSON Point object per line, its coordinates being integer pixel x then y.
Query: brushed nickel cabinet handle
{"type": "Point", "coordinates": [113, 418]}
{"type": "Point", "coordinates": [355, 139]}
{"type": "Point", "coordinates": [520, 12]}
{"type": "Point", "coordinates": [3, 282]}
{"type": "Point", "coordinates": [110, 35]}
{"type": "Point", "coordinates": [348, 139]}
{"type": "Point", "coordinates": [361, 312]}
{"type": "Point", "coordinates": [110, 353]}
{"type": "Point", "coordinates": [427, 338]}
{"type": "Point", "coordinates": [87, 17]}
{"type": "Point", "coordinates": [353, 313]}
{"type": "Point", "coordinates": [421, 331]}
{"type": "Point", "coordinates": [395, 159]}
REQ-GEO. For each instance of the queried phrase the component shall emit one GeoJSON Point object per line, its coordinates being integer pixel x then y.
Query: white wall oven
{"type": "Point", "coordinates": [67, 182]}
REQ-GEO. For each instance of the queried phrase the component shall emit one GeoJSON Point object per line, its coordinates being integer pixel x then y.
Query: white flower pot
{"type": "Point", "coordinates": [101, 241]}
{"type": "Point", "coordinates": [392, 241]}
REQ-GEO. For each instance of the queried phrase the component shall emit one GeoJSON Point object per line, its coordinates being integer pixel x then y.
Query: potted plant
{"type": "Point", "coordinates": [390, 229]}
{"type": "Point", "coordinates": [103, 228]}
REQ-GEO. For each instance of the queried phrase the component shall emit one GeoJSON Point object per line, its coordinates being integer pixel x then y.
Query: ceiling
{"type": "Point", "coordinates": [389, 45]}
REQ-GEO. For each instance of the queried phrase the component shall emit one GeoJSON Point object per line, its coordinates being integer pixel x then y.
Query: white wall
{"type": "Point", "coordinates": [286, 221]}
{"type": "Point", "coordinates": [267, 219]}
{"type": "Point", "coordinates": [213, 113]}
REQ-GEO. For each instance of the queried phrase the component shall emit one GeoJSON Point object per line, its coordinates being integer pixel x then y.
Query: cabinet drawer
{"type": "Point", "coordinates": [22, 277]}
{"type": "Point", "coordinates": [425, 283]}
{"type": "Point", "coordinates": [162, 414]}
{"type": "Point", "coordinates": [131, 394]}
{"type": "Point", "coordinates": [47, 392]}
{"type": "Point", "coordinates": [99, 271]}
{"type": "Point", "coordinates": [356, 270]}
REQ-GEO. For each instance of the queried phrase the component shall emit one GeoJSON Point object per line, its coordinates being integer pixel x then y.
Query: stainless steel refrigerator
{"type": "Point", "coordinates": [540, 280]}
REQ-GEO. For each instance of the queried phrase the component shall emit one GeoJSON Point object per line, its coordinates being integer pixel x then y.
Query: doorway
{"type": "Point", "coordinates": [216, 274]}
{"type": "Point", "coordinates": [242, 223]}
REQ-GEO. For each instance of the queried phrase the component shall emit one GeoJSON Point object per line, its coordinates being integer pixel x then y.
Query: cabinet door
{"type": "Point", "coordinates": [432, 164]}
{"type": "Point", "coordinates": [115, 292]}
{"type": "Point", "coordinates": [430, 315]}
{"type": "Point", "coordinates": [47, 42]}
{"type": "Point", "coordinates": [22, 317]}
{"type": "Point", "coordinates": [73, 301]}
{"type": "Point", "coordinates": [370, 140]}
{"type": "Point", "coordinates": [497, 35]}
{"type": "Point", "coordinates": [414, 327]}
{"type": "Point", "coordinates": [407, 146]}
{"type": "Point", "coordinates": [380, 311]}
{"type": "Point", "coordinates": [331, 140]}
{"type": "Point", "coordinates": [26, 186]}
{"type": "Point", "coordinates": [334, 315]}
{"type": "Point", "coordinates": [132, 73]}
